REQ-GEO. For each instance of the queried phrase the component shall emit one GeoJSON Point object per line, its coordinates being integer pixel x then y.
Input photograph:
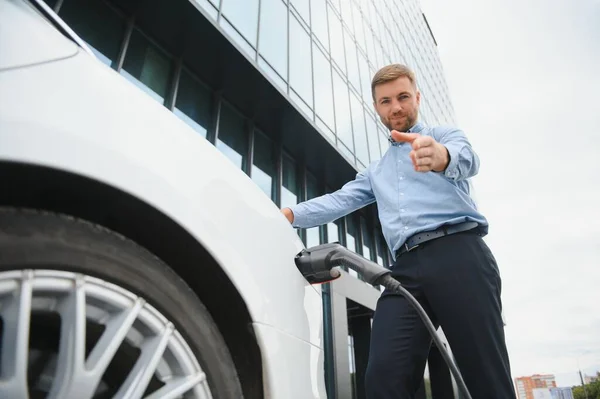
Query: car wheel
{"type": "Point", "coordinates": [86, 313]}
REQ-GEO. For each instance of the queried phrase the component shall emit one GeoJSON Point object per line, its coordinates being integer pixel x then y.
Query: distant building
{"type": "Point", "coordinates": [541, 393]}
{"type": "Point", "coordinates": [588, 379]}
{"type": "Point", "coordinates": [526, 385]}
{"type": "Point", "coordinates": [552, 393]}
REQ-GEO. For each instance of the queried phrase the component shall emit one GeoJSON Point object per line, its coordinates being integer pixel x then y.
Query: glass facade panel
{"type": "Point", "coordinates": [273, 34]}
{"type": "Point", "coordinates": [264, 164]}
{"type": "Point", "coordinates": [365, 80]}
{"type": "Point", "coordinates": [232, 137]}
{"type": "Point", "coordinates": [303, 8]}
{"type": "Point", "coordinates": [346, 11]}
{"type": "Point", "coordinates": [290, 183]}
{"type": "Point", "coordinates": [333, 230]}
{"type": "Point", "coordinates": [312, 191]}
{"type": "Point", "coordinates": [147, 66]}
{"type": "Point", "coordinates": [243, 15]}
{"type": "Point", "coordinates": [352, 62]}
{"type": "Point", "coordinates": [193, 103]}
{"type": "Point", "coordinates": [98, 24]}
{"type": "Point", "coordinates": [351, 242]}
{"type": "Point", "coordinates": [359, 33]}
{"type": "Point", "coordinates": [374, 149]}
{"type": "Point", "coordinates": [384, 143]}
{"type": "Point", "coordinates": [300, 61]}
{"type": "Point", "coordinates": [367, 239]}
{"type": "Point", "coordinates": [318, 11]}
{"type": "Point", "coordinates": [358, 125]}
{"type": "Point", "coordinates": [323, 88]}
{"type": "Point", "coordinates": [336, 39]}
{"type": "Point", "coordinates": [343, 120]}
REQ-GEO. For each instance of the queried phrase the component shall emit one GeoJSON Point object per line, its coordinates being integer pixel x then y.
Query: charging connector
{"type": "Point", "coordinates": [317, 265]}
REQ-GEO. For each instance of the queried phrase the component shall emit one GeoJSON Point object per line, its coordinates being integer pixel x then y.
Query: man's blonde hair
{"type": "Point", "coordinates": [390, 73]}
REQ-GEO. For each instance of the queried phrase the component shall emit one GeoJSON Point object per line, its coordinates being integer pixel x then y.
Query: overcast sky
{"type": "Point", "coordinates": [524, 77]}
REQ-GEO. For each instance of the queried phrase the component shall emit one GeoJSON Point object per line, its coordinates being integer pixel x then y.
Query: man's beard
{"type": "Point", "coordinates": [408, 123]}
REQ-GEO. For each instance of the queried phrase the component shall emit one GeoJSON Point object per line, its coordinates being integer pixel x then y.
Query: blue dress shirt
{"type": "Point", "coordinates": [408, 201]}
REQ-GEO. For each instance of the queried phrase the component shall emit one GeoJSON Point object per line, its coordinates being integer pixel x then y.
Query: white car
{"type": "Point", "coordinates": [135, 259]}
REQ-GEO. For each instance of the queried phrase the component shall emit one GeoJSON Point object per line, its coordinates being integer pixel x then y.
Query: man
{"type": "Point", "coordinates": [434, 230]}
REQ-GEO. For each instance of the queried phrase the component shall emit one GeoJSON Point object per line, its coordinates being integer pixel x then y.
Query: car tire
{"type": "Point", "coordinates": [38, 240]}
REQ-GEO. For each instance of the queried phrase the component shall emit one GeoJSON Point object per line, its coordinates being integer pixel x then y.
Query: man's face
{"type": "Point", "coordinates": [397, 103]}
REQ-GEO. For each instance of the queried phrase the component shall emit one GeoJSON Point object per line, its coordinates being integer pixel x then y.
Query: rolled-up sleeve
{"type": "Point", "coordinates": [464, 162]}
{"type": "Point", "coordinates": [329, 207]}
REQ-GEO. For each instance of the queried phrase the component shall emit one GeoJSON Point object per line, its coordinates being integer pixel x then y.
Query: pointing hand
{"type": "Point", "coordinates": [427, 154]}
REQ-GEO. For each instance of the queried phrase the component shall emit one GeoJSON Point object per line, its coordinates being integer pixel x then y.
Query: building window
{"type": "Point", "coordinates": [358, 26]}
{"type": "Point", "coordinates": [243, 15]}
{"type": "Point", "coordinates": [232, 138]}
{"type": "Point", "coordinates": [312, 191]}
{"type": "Point", "coordinates": [264, 164]}
{"type": "Point", "coordinates": [358, 125]}
{"type": "Point", "coordinates": [273, 39]}
{"type": "Point", "coordinates": [98, 25]}
{"type": "Point", "coordinates": [193, 103]}
{"type": "Point", "coordinates": [323, 88]}
{"type": "Point", "coordinates": [302, 7]}
{"type": "Point", "coordinates": [351, 234]}
{"type": "Point", "coordinates": [300, 62]}
{"type": "Point", "coordinates": [384, 143]}
{"type": "Point", "coordinates": [372, 135]}
{"type": "Point", "coordinates": [343, 119]}
{"type": "Point", "coordinates": [365, 79]}
{"type": "Point", "coordinates": [147, 66]}
{"type": "Point", "coordinates": [290, 183]}
{"type": "Point", "coordinates": [367, 239]}
{"type": "Point", "coordinates": [318, 10]}
{"type": "Point", "coordinates": [336, 39]}
{"type": "Point", "coordinates": [352, 61]}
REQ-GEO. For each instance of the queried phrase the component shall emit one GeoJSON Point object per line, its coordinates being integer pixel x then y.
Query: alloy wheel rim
{"type": "Point", "coordinates": [164, 365]}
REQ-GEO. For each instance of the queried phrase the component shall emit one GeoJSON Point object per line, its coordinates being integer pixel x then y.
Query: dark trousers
{"type": "Point", "coordinates": [455, 278]}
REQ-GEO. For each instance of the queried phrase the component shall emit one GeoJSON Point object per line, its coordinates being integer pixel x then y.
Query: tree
{"type": "Point", "coordinates": [592, 389]}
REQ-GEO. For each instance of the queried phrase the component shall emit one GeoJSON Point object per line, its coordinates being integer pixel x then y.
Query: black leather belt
{"type": "Point", "coordinates": [414, 241]}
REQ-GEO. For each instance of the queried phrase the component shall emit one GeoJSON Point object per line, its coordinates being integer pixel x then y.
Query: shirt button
{"type": "Point", "coordinates": [402, 194]}
{"type": "Point", "coordinates": [405, 227]}
{"type": "Point", "coordinates": [402, 210]}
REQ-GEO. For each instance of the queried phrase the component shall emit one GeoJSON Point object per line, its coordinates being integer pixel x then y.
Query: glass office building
{"type": "Point", "coordinates": [282, 88]}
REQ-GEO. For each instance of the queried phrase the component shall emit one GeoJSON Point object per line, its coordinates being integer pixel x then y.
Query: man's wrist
{"type": "Point", "coordinates": [444, 158]}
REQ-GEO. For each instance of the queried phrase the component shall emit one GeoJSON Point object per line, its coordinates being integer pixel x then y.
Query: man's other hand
{"type": "Point", "coordinates": [427, 154]}
{"type": "Point", "coordinates": [287, 212]}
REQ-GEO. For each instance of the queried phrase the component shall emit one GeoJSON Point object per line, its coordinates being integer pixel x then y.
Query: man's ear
{"type": "Point", "coordinates": [418, 97]}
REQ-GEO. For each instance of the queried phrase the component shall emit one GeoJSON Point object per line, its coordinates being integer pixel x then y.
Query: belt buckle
{"type": "Point", "coordinates": [408, 249]}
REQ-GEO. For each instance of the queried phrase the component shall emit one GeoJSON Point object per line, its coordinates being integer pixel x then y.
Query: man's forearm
{"type": "Point", "coordinates": [321, 210]}
{"type": "Point", "coordinates": [329, 207]}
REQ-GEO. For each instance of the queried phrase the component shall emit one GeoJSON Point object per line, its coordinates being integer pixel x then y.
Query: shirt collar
{"type": "Point", "coordinates": [416, 128]}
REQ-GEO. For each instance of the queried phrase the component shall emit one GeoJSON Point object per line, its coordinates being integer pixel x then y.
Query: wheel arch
{"type": "Point", "coordinates": [58, 191]}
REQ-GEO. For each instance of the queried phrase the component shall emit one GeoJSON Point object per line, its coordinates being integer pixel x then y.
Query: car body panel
{"type": "Point", "coordinates": [287, 356]}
